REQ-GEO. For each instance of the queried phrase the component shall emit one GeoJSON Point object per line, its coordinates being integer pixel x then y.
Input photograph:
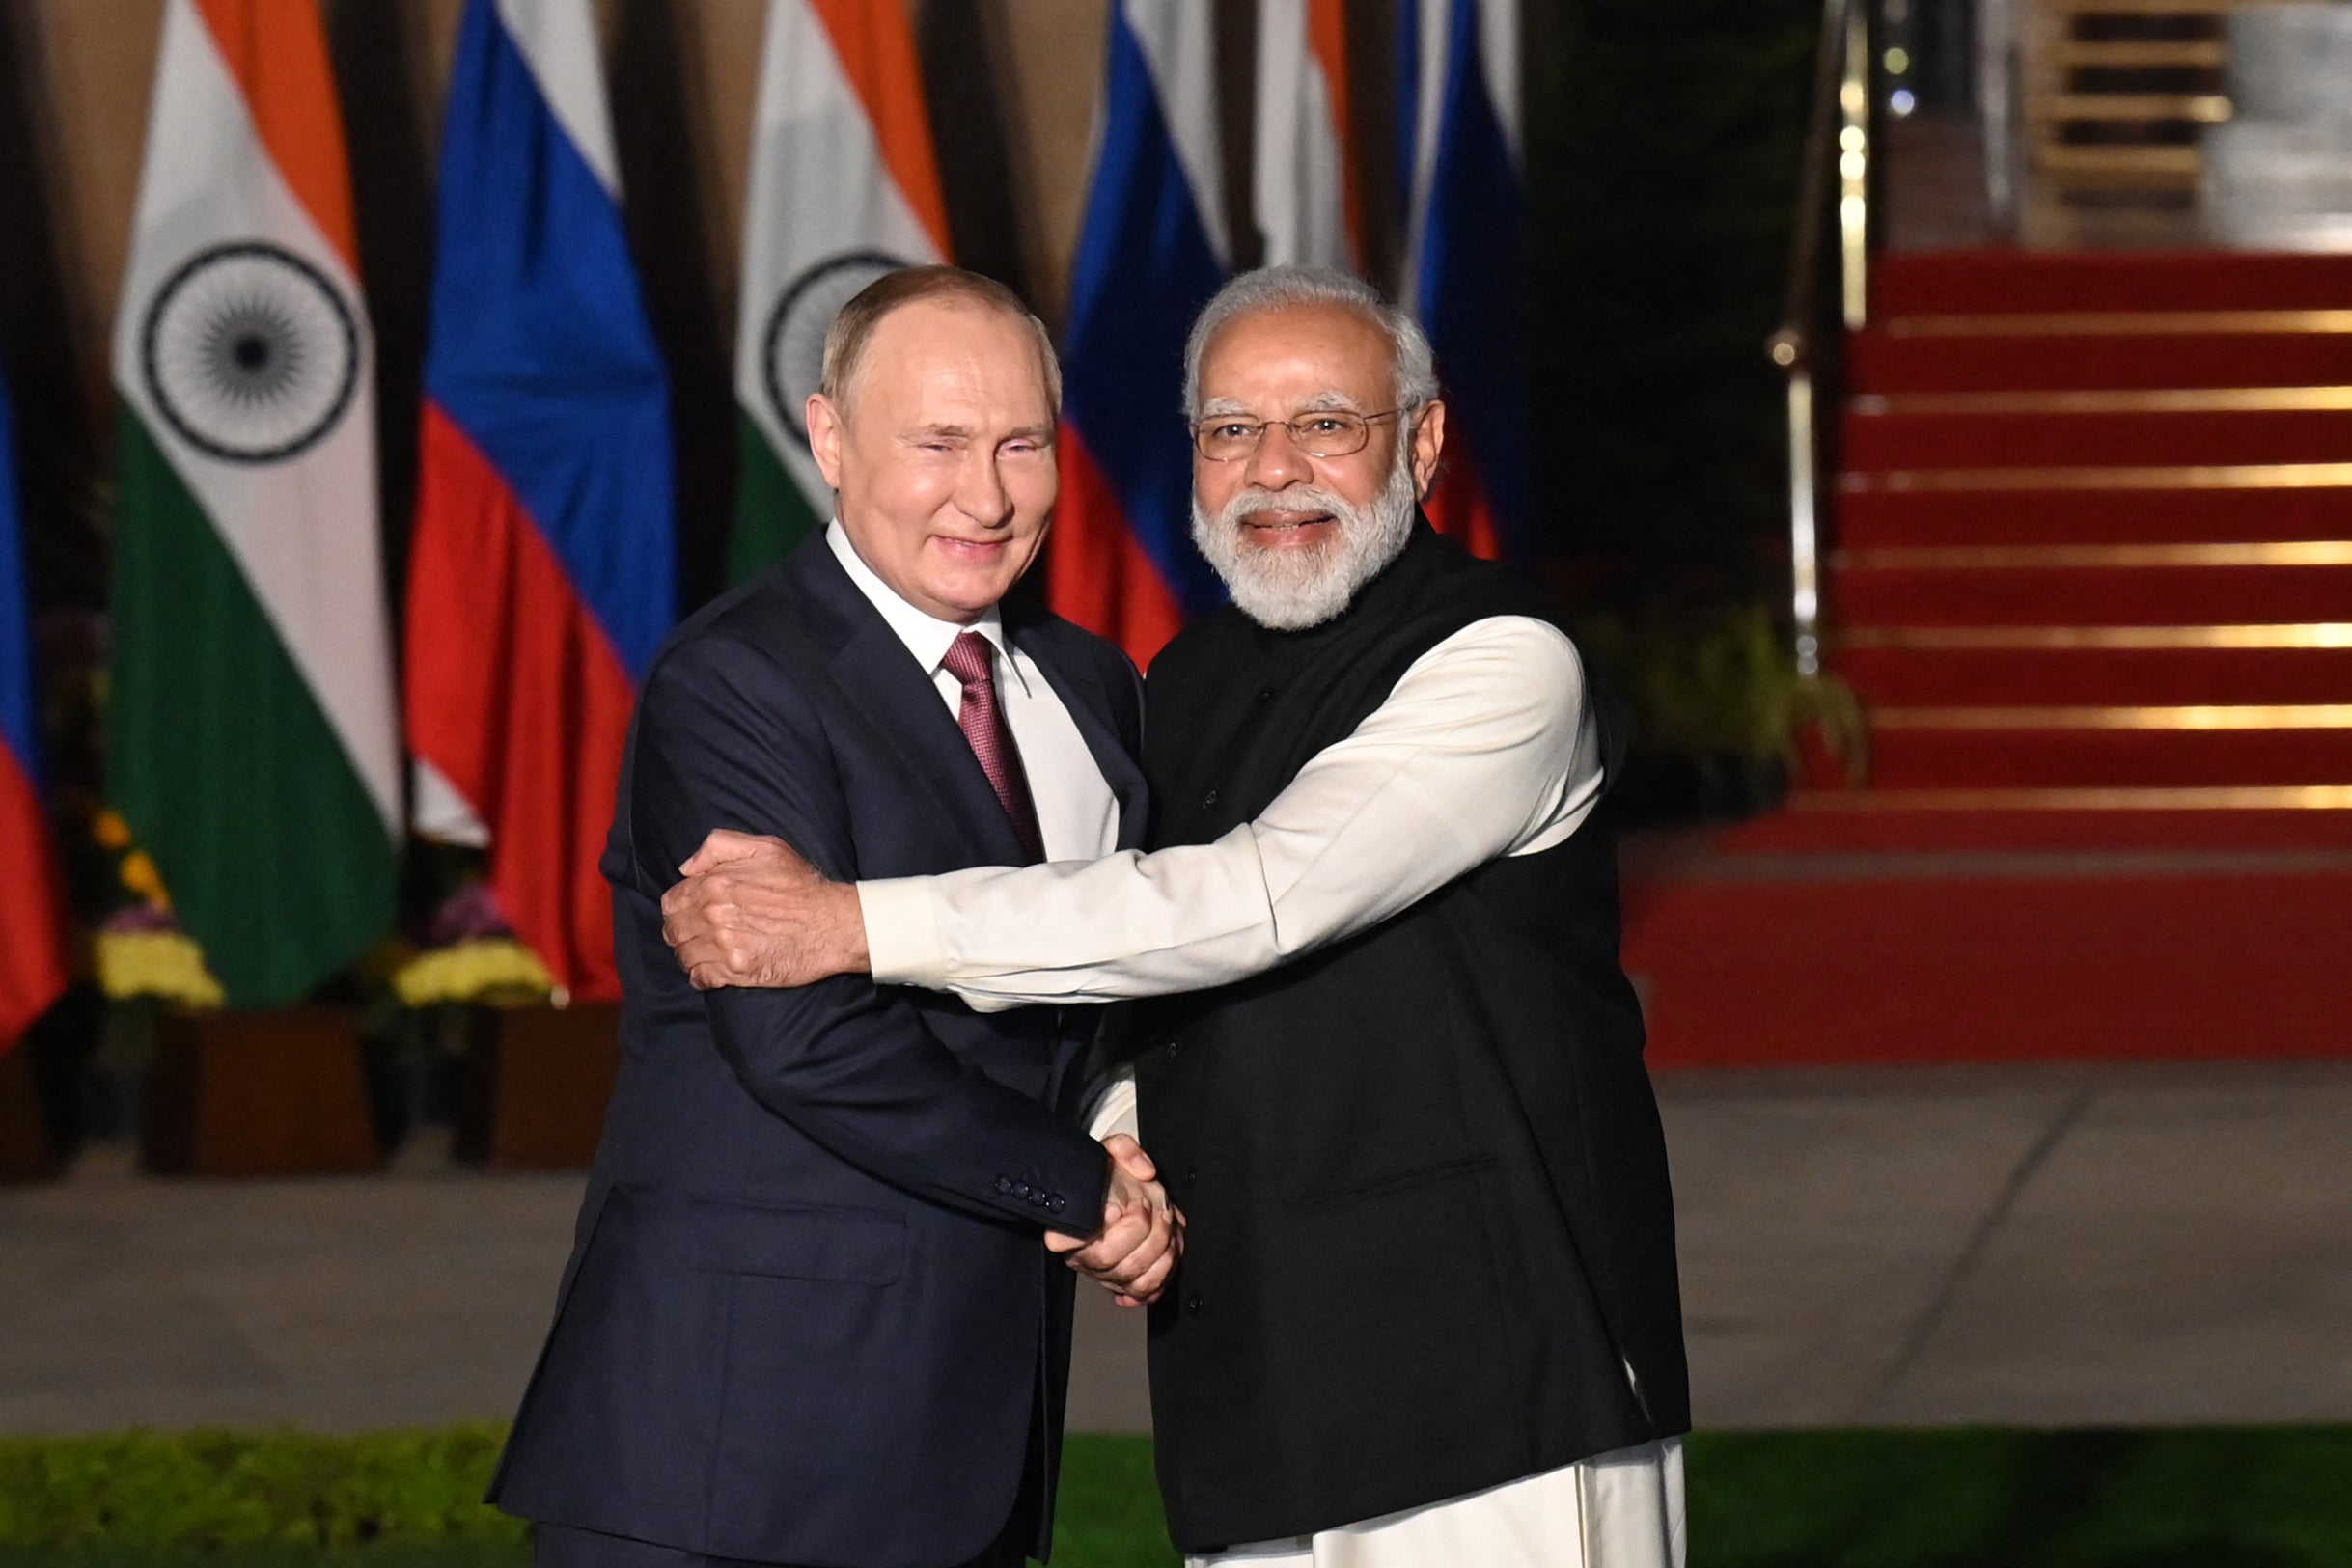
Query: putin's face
{"type": "Point", "coordinates": [941, 450]}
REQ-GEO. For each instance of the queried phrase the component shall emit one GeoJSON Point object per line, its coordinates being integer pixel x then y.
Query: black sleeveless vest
{"type": "Point", "coordinates": [1432, 1242]}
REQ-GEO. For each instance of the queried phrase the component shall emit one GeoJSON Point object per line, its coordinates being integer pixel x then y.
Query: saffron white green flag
{"type": "Point", "coordinates": [1309, 208]}
{"type": "Point", "coordinates": [844, 186]}
{"type": "Point", "coordinates": [250, 737]}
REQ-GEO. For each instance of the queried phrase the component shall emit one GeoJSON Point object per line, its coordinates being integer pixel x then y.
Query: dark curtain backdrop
{"type": "Point", "coordinates": [1664, 138]}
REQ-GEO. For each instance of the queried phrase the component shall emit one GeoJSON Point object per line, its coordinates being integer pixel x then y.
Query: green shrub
{"type": "Point", "coordinates": [215, 1490]}
{"type": "Point", "coordinates": [1719, 680]}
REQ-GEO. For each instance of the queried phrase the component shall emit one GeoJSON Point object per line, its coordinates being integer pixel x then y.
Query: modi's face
{"type": "Point", "coordinates": [942, 452]}
{"type": "Point", "coordinates": [1306, 474]}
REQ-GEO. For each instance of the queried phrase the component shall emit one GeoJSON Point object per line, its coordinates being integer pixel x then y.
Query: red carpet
{"type": "Point", "coordinates": [1872, 518]}
{"type": "Point", "coordinates": [1990, 959]}
{"type": "Point", "coordinates": [2022, 591]}
{"type": "Point", "coordinates": [2094, 592]}
{"type": "Point", "coordinates": [1877, 441]}
{"type": "Point", "coordinates": [1894, 361]}
{"type": "Point", "coordinates": [1828, 824]}
{"type": "Point", "coordinates": [1986, 675]}
{"type": "Point", "coordinates": [2009, 281]}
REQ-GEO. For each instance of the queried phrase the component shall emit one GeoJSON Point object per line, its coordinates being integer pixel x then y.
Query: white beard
{"type": "Point", "coordinates": [1292, 588]}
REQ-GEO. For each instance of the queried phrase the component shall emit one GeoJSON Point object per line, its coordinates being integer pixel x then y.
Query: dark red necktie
{"type": "Point", "coordinates": [972, 660]}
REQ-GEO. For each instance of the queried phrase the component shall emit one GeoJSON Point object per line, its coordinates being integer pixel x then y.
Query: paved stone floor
{"type": "Point", "coordinates": [2063, 1245]}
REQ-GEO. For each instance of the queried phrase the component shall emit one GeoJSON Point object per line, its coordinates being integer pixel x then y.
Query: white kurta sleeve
{"type": "Point", "coordinates": [1485, 746]}
{"type": "Point", "coordinates": [1112, 1110]}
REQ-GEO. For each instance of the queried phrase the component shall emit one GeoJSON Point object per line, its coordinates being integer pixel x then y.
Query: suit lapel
{"type": "Point", "coordinates": [1077, 683]}
{"type": "Point", "coordinates": [885, 684]}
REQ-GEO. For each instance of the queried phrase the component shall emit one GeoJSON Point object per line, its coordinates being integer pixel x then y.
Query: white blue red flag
{"type": "Point", "coordinates": [33, 959]}
{"type": "Point", "coordinates": [1152, 250]}
{"type": "Point", "coordinates": [543, 575]}
{"type": "Point", "coordinates": [1464, 256]}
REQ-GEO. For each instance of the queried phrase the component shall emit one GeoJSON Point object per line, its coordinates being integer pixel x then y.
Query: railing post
{"type": "Point", "coordinates": [1837, 148]}
{"type": "Point", "coordinates": [1804, 525]}
{"type": "Point", "coordinates": [1854, 153]}
{"type": "Point", "coordinates": [1997, 112]}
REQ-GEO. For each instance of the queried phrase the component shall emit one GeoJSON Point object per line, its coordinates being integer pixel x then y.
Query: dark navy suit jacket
{"type": "Point", "coordinates": [809, 1317]}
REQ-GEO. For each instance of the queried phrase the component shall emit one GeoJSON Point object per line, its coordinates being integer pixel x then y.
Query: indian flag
{"type": "Point", "coordinates": [250, 737]}
{"type": "Point", "coordinates": [1310, 197]}
{"type": "Point", "coordinates": [844, 187]}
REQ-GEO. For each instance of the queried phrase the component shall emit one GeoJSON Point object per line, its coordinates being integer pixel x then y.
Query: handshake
{"type": "Point", "coordinates": [1141, 1236]}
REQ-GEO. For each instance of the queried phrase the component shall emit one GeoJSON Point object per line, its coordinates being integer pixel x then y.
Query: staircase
{"type": "Point", "coordinates": [2117, 97]}
{"type": "Point", "coordinates": [2093, 586]}
{"type": "Point", "coordinates": [2095, 546]}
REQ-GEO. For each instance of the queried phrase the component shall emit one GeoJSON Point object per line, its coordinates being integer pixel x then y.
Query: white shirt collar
{"type": "Point", "coordinates": [926, 636]}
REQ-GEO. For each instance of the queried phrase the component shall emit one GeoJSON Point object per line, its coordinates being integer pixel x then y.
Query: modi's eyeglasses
{"type": "Point", "coordinates": [1330, 432]}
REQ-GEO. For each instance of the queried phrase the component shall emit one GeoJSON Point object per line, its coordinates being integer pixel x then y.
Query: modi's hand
{"type": "Point", "coordinates": [750, 911]}
{"type": "Point", "coordinates": [1142, 1238]}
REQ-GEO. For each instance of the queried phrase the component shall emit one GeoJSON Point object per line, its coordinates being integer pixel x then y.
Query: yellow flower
{"type": "Point", "coordinates": [139, 874]}
{"type": "Point", "coordinates": [110, 830]}
{"type": "Point", "coordinates": [165, 964]}
{"type": "Point", "coordinates": [495, 970]}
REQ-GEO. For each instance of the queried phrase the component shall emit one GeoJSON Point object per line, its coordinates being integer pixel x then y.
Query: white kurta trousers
{"type": "Point", "coordinates": [1615, 1510]}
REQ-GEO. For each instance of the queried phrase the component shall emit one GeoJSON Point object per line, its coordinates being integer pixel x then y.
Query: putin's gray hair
{"type": "Point", "coordinates": [853, 325]}
{"type": "Point", "coordinates": [1285, 287]}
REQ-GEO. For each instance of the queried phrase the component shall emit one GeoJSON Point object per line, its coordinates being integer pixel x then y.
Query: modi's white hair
{"type": "Point", "coordinates": [1283, 287]}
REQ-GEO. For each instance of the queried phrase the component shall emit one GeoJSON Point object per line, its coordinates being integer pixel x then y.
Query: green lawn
{"type": "Point", "coordinates": [1109, 1515]}
{"type": "Point", "coordinates": [2206, 1497]}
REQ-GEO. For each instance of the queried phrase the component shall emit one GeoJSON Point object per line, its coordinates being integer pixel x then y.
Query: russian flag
{"type": "Point", "coordinates": [543, 575]}
{"type": "Point", "coordinates": [1463, 269]}
{"type": "Point", "coordinates": [1151, 251]}
{"type": "Point", "coordinates": [34, 965]}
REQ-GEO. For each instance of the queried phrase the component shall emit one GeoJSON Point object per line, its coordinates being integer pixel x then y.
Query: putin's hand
{"type": "Point", "coordinates": [1143, 1234]}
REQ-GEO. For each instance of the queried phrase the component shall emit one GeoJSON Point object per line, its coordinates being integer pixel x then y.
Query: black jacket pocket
{"type": "Point", "coordinates": [797, 1242]}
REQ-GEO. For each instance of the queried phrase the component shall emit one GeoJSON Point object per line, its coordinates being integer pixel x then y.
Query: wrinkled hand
{"type": "Point", "coordinates": [1141, 1236]}
{"type": "Point", "coordinates": [751, 912]}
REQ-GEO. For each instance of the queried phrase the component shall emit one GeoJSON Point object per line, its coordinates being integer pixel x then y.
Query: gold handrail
{"type": "Point", "coordinates": [1837, 148]}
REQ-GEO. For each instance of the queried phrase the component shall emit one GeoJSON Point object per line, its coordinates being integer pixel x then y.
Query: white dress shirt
{"type": "Point", "coordinates": [1485, 746]}
{"type": "Point", "coordinates": [1077, 814]}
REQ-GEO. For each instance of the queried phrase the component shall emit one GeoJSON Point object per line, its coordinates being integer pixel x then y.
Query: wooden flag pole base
{"type": "Point", "coordinates": [533, 1086]}
{"type": "Point", "coordinates": [281, 1093]}
{"type": "Point", "coordinates": [25, 1154]}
